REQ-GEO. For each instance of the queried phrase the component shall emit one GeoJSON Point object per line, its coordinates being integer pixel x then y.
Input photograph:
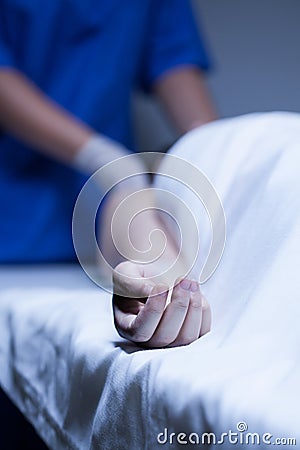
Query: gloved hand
{"type": "Point", "coordinates": [100, 151]}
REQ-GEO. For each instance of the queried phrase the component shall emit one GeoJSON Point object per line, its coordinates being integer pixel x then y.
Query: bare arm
{"type": "Point", "coordinates": [186, 98]}
{"type": "Point", "coordinates": [31, 116]}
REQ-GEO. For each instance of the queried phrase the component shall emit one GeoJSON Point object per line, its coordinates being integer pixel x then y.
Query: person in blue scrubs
{"type": "Point", "coordinates": [68, 69]}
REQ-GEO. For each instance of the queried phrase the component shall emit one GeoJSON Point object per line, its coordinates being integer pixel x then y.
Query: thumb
{"type": "Point", "coordinates": [129, 281]}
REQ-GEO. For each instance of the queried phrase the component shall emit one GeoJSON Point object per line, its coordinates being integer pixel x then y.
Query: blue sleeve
{"type": "Point", "coordinates": [172, 39]}
{"type": "Point", "coordinates": [6, 57]}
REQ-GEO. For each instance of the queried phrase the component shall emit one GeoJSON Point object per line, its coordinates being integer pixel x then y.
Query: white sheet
{"type": "Point", "coordinates": [85, 388]}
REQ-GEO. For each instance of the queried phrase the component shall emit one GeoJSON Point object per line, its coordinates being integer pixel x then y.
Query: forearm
{"type": "Point", "coordinates": [139, 228]}
{"type": "Point", "coordinates": [186, 98]}
{"type": "Point", "coordinates": [32, 117]}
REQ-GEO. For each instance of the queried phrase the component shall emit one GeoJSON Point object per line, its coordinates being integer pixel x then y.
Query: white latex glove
{"type": "Point", "coordinates": [100, 151]}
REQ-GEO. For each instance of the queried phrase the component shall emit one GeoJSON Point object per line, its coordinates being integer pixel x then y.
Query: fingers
{"type": "Point", "coordinates": [190, 330]}
{"type": "Point", "coordinates": [153, 324]}
{"type": "Point", "coordinates": [173, 317]}
{"type": "Point", "coordinates": [138, 323]}
{"type": "Point", "coordinates": [147, 320]}
{"type": "Point", "coordinates": [129, 281]}
{"type": "Point", "coordinates": [185, 319]}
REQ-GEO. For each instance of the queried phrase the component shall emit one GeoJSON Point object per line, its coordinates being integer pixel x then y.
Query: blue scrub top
{"type": "Point", "coordinates": [87, 55]}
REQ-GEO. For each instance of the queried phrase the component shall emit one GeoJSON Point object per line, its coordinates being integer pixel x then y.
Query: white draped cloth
{"type": "Point", "coordinates": [83, 387]}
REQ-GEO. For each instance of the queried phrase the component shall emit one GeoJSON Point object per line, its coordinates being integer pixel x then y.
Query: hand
{"type": "Point", "coordinates": [141, 314]}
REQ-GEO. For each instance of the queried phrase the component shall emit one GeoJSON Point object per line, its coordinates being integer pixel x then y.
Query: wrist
{"type": "Point", "coordinates": [119, 173]}
{"type": "Point", "coordinates": [96, 151]}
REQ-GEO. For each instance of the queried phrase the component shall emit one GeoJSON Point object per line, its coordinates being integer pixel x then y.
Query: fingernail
{"type": "Point", "coordinates": [185, 284]}
{"type": "Point", "coordinates": [194, 286]}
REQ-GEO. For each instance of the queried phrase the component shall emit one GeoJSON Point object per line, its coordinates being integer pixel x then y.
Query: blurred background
{"type": "Point", "coordinates": [254, 46]}
{"type": "Point", "coordinates": [255, 53]}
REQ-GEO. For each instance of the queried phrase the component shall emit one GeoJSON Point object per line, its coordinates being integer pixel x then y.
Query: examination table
{"type": "Point", "coordinates": [83, 387]}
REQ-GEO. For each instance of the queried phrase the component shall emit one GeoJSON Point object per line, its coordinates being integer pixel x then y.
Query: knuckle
{"type": "Point", "coordinates": [180, 303]}
{"type": "Point", "coordinates": [196, 303]}
{"type": "Point", "coordinates": [154, 310]}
